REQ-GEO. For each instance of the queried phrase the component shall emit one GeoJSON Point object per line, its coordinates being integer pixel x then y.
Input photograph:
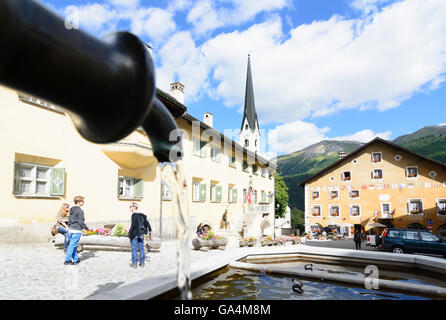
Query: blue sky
{"type": "Point", "coordinates": [322, 69]}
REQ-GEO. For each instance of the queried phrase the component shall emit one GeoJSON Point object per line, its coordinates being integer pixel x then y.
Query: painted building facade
{"type": "Point", "coordinates": [379, 182]}
{"type": "Point", "coordinates": [45, 162]}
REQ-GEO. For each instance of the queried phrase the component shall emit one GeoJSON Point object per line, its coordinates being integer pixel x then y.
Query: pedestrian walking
{"type": "Point", "coordinates": [139, 227]}
{"type": "Point", "coordinates": [76, 222]}
{"type": "Point", "coordinates": [357, 238]}
{"type": "Point", "coordinates": [62, 218]}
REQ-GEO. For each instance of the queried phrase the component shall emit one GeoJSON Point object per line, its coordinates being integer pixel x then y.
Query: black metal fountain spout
{"type": "Point", "coordinates": [107, 85]}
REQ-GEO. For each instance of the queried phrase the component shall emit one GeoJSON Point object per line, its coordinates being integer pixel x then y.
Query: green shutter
{"type": "Point", "coordinates": [202, 190]}
{"type": "Point", "coordinates": [57, 181]}
{"type": "Point", "coordinates": [203, 149]}
{"type": "Point", "coordinates": [219, 193]}
{"type": "Point", "coordinates": [16, 181]}
{"type": "Point", "coordinates": [263, 197]}
{"type": "Point", "coordinates": [139, 188]}
{"type": "Point", "coordinates": [234, 195]}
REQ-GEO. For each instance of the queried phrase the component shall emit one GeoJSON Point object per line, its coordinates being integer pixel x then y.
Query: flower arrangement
{"type": "Point", "coordinates": [250, 241]}
{"type": "Point", "coordinates": [443, 212]}
{"type": "Point", "coordinates": [415, 211]}
{"type": "Point", "coordinates": [267, 241]}
{"type": "Point", "coordinates": [100, 231]}
{"type": "Point", "coordinates": [281, 241]}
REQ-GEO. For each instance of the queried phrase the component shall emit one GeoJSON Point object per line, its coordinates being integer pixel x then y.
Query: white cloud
{"type": "Point", "coordinates": [363, 4]}
{"type": "Point", "coordinates": [153, 22]}
{"type": "Point", "coordinates": [97, 18]}
{"type": "Point", "coordinates": [299, 134]}
{"type": "Point", "coordinates": [125, 3]}
{"type": "Point", "coordinates": [365, 136]}
{"type": "Point", "coordinates": [332, 65]}
{"type": "Point", "coordinates": [207, 16]}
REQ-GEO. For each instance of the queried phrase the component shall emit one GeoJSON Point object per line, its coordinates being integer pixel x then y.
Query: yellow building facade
{"type": "Point", "coordinates": [44, 162]}
{"type": "Point", "coordinates": [379, 182]}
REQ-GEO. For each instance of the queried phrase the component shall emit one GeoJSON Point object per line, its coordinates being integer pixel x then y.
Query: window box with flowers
{"type": "Point", "coordinates": [334, 195]}
{"type": "Point", "coordinates": [415, 206]}
{"type": "Point", "coordinates": [334, 211]}
{"type": "Point", "coordinates": [354, 194]}
{"type": "Point", "coordinates": [411, 172]}
{"type": "Point", "coordinates": [316, 211]}
{"type": "Point", "coordinates": [355, 211]}
{"type": "Point", "coordinates": [376, 157]}
{"type": "Point", "coordinates": [315, 195]}
{"type": "Point", "coordinates": [346, 176]}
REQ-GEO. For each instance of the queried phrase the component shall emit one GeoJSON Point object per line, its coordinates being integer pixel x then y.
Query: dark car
{"type": "Point", "coordinates": [410, 241]}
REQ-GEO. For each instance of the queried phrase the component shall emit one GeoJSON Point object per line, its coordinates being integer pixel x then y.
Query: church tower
{"type": "Point", "coordinates": [249, 132]}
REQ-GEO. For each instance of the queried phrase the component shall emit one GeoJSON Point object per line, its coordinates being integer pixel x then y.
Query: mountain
{"type": "Point", "coordinates": [429, 131]}
{"type": "Point", "coordinates": [298, 166]}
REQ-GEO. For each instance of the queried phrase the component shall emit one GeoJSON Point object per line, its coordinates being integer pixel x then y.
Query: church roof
{"type": "Point", "coordinates": [250, 108]}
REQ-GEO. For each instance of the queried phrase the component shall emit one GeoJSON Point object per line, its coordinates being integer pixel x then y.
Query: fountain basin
{"type": "Point", "coordinates": [153, 287]}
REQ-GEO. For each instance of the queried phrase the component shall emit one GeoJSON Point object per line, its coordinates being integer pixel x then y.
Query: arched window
{"type": "Point", "coordinates": [246, 126]}
{"type": "Point", "coordinates": [246, 143]}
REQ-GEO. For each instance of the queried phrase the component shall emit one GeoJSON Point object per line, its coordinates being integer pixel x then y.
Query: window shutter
{"type": "Point", "coordinates": [57, 181]}
{"type": "Point", "coordinates": [16, 181]}
{"type": "Point", "coordinates": [203, 149]}
{"type": "Point", "coordinates": [196, 146]}
{"type": "Point", "coordinates": [139, 188]}
{"type": "Point", "coordinates": [234, 195]}
{"type": "Point", "coordinates": [219, 193]}
{"type": "Point", "coordinates": [202, 189]}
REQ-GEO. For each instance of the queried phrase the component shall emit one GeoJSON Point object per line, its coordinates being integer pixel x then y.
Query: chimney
{"type": "Point", "coordinates": [208, 118]}
{"type": "Point", "coordinates": [177, 91]}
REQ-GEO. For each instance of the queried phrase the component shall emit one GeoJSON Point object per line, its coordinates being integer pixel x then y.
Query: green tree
{"type": "Point", "coordinates": [298, 219]}
{"type": "Point", "coordinates": [281, 195]}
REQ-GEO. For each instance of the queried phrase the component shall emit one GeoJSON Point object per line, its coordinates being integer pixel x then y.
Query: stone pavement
{"type": "Point", "coordinates": [36, 271]}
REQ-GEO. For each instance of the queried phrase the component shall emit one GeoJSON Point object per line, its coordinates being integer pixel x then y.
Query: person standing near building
{"type": "Point", "coordinates": [76, 222]}
{"type": "Point", "coordinates": [62, 224]}
{"type": "Point", "coordinates": [139, 227]}
{"type": "Point", "coordinates": [357, 238]}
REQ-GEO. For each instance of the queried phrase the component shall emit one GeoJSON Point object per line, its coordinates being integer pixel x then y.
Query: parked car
{"type": "Point", "coordinates": [410, 241]}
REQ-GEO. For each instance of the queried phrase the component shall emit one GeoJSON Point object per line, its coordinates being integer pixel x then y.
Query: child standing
{"type": "Point", "coordinates": [139, 227]}
{"type": "Point", "coordinates": [76, 223]}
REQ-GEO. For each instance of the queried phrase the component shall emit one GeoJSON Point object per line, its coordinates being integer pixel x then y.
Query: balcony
{"type": "Point", "coordinates": [386, 215]}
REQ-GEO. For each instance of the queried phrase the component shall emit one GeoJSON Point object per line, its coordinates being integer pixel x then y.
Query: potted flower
{"type": "Point", "coordinates": [250, 241]}
{"type": "Point", "coordinates": [442, 212]}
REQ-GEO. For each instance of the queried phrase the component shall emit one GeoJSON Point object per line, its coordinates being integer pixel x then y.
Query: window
{"type": "Point", "coordinates": [385, 208]}
{"type": "Point", "coordinates": [245, 166]}
{"type": "Point", "coordinates": [346, 176]}
{"type": "Point", "coordinates": [254, 169]}
{"type": "Point", "coordinates": [377, 174]}
{"type": "Point", "coordinates": [264, 197]}
{"type": "Point", "coordinates": [270, 172]}
{"type": "Point", "coordinates": [254, 196]}
{"type": "Point", "coordinates": [244, 196]}
{"type": "Point", "coordinates": [411, 172]}
{"type": "Point", "coordinates": [38, 180]}
{"type": "Point", "coordinates": [334, 211]}
{"type": "Point", "coordinates": [355, 211]}
{"type": "Point", "coordinates": [130, 188]}
{"type": "Point", "coordinates": [232, 194]}
{"type": "Point", "coordinates": [316, 211]}
{"type": "Point", "coordinates": [246, 126]}
{"type": "Point", "coordinates": [441, 207]}
{"type": "Point", "coordinates": [246, 143]}
{"type": "Point", "coordinates": [232, 162]}
{"type": "Point", "coordinates": [215, 193]}
{"type": "Point", "coordinates": [412, 235]}
{"type": "Point", "coordinates": [425, 236]}
{"type": "Point", "coordinates": [415, 206]}
{"type": "Point", "coordinates": [376, 157]}
{"type": "Point", "coordinates": [354, 194]}
{"type": "Point", "coordinates": [198, 191]}
{"type": "Point", "coordinates": [396, 234]}
{"type": "Point", "coordinates": [315, 195]}
{"type": "Point", "coordinates": [215, 153]}
{"type": "Point", "coordinates": [263, 172]}
{"type": "Point", "coordinates": [165, 191]}
{"type": "Point", "coordinates": [334, 195]}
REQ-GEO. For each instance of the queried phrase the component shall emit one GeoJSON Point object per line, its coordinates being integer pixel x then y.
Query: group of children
{"type": "Point", "coordinates": [71, 222]}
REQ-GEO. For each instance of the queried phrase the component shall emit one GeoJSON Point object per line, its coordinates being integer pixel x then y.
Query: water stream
{"type": "Point", "coordinates": [173, 176]}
